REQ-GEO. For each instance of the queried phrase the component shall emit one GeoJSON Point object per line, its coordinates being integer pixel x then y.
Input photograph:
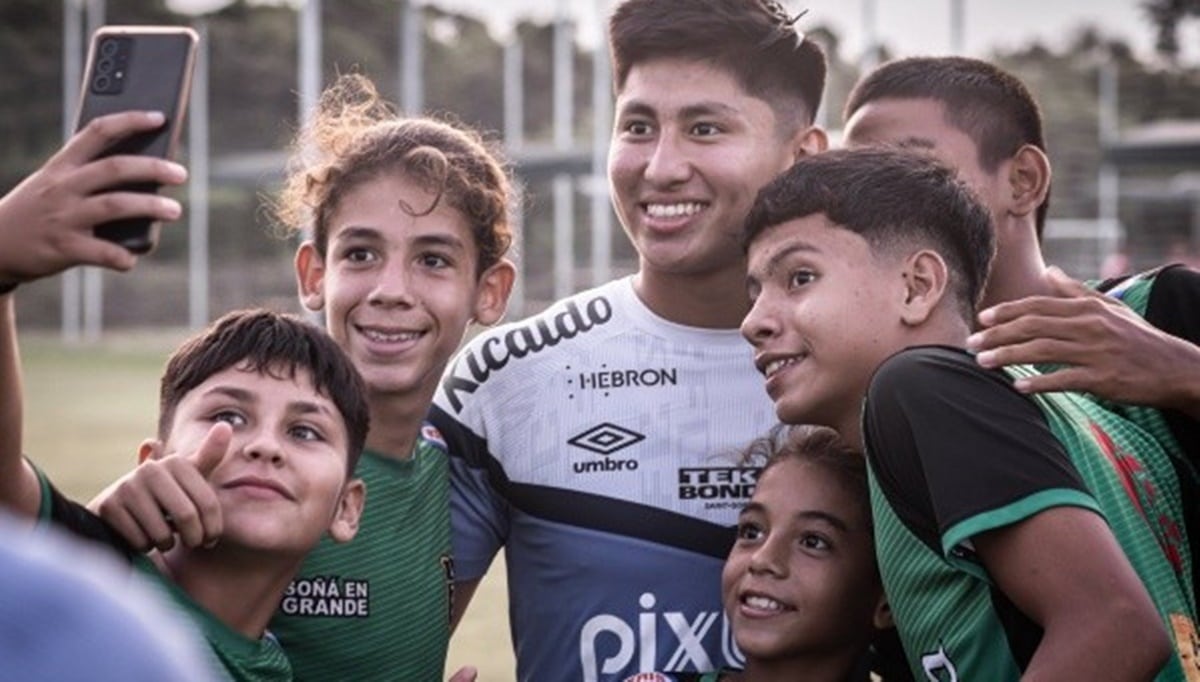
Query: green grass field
{"type": "Point", "coordinates": [88, 407]}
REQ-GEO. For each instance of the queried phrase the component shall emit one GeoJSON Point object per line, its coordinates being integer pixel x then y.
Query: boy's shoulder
{"type": "Point", "coordinates": [242, 658]}
{"type": "Point", "coordinates": [1169, 281]}
{"type": "Point", "coordinates": [65, 513]}
{"type": "Point", "coordinates": [912, 367]}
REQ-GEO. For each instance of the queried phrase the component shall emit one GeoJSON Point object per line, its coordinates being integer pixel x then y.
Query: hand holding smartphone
{"type": "Point", "coordinates": [143, 68]}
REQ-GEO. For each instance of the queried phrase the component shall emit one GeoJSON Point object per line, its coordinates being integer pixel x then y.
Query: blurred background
{"type": "Point", "coordinates": [1119, 83]}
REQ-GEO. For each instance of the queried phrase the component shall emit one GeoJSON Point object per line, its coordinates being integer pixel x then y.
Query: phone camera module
{"type": "Point", "coordinates": [112, 59]}
{"type": "Point", "coordinates": [109, 48]}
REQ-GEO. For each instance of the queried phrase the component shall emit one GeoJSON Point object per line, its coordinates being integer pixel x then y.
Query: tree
{"type": "Point", "coordinates": [1166, 16]}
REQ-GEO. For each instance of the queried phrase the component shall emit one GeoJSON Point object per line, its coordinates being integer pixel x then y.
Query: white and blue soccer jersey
{"type": "Point", "coordinates": [598, 444]}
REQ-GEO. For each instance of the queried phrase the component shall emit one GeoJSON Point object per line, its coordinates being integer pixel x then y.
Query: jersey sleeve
{"type": "Point", "coordinates": [1174, 307]}
{"type": "Point", "coordinates": [479, 515]}
{"type": "Point", "coordinates": [1174, 302]}
{"type": "Point", "coordinates": [61, 511]}
{"type": "Point", "coordinates": [958, 451]}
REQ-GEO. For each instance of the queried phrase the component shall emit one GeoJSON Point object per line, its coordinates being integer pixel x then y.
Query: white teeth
{"type": "Point", "coordinates": [384, 337]}
{"type": "Point", "coordinates": [763, 603]}
{"type": "Point", "coordinates": [673, 210]}
{"type": "Point", "coordinates": [776, 365]}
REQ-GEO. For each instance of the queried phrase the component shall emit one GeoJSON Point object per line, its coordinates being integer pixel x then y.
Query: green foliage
{"type": "Point", "coordinates": [30, 86]}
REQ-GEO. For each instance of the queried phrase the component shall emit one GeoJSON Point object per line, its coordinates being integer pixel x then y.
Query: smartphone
{"type": "Point", "coordinates": [139, 67]}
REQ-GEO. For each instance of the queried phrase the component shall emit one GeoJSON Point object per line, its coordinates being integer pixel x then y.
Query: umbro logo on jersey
{"type": "Point", "coordinates": [606, 438]}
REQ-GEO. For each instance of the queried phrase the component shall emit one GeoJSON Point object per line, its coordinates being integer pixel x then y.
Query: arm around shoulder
{"type": "Point", "coordinates": [19, 488]}
{"type": "Point", "coordinates": [1102, 346]}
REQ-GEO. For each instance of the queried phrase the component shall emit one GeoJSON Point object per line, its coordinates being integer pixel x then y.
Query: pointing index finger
{"type": "Point", "coordinates": [212, 449]}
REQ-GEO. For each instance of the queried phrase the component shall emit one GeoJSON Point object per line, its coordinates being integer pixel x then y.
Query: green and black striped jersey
{"type": "Point", "coordinates": [955, 451]}
{"type": "Point", "coordinates": [378, 607]}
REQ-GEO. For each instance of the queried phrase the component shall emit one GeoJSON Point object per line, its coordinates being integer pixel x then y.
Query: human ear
{"type": "Point", "coordinates": [882, 618]}
{"type": "Point", "coordinates": [310, 276]}
{"type": "Point", "coordinates": [344, 525]}
{"type": "Point", "coordinates": [492, 291]}
{"type": "Point", "coordinates": [925, 280]}
{"type": "Point", "coordinates": [1029, 179]}
{"type": "Point", "coordinates": [809, 141]}
{"type": "Point", "coordinates": [151, 448]}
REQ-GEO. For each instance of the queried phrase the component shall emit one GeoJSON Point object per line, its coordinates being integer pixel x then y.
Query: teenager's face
{"type": "Point", "coordinates": [690, 149]}
{"type": "Point", "coordinates": [801, 578]}
{"type": "Point", "coordinates": [281, 479]}
{"type": "Point", "coordinates": [398, 290]}
{"type": "Point", "coordinates": [920, 123]}
{"type": "Point", "coordinates": [824, 315]}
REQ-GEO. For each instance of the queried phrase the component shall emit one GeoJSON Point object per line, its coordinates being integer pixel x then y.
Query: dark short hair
{"type": "Point", "coordinates": [892, 198]}
{"type": "Point", "coordinates": [990, 105]}
{"type": "Point", "coordinates": [819, 445]}
{"type": "Point", "coordinates": [754, 40]}
{"type": "Point", "coordinates": [275, 344]}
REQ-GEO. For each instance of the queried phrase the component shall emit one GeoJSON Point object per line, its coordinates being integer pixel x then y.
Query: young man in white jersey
{"type": "Point", "coordinates": [596, 442]}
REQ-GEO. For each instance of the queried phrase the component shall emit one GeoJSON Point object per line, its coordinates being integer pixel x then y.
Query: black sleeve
{"type": "Point", "coordinates": [77, 519]}
{"type": "Point", "coordinates": [1174, 307]}
{"type": "Point", "coordinates": [949, 441]}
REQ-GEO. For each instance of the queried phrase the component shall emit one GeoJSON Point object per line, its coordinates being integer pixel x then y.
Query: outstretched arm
{"type": "Point", "coordinates": [1064, 569]}
{"type": "Point", "coordinates": [18, 483]}
{"type": "Point", "coordinates": [1105, 348]}
{"type": "Point", "coordinates": [45, 227]}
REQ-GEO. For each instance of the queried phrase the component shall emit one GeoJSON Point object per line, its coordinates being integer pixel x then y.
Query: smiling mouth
{"type": "Point", "coordinates": [763, 604]}
{"type": "Point", "coordinates": [259, 486]}
{"type": "Point", "coordinates": [380, 336]}
{"type": "Point", "coordinates": [775, 365]}
{"type": "Point", "coordinates": [683, 209]}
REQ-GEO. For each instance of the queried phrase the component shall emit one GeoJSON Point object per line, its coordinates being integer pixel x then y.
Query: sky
{"type": "Point", "coordinates": [908, 27]}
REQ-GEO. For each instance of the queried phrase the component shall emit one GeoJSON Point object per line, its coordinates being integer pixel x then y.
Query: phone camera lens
{"type": "Point", "coordinates": [105, 65]}
{"type": "Point", "coordinates": [108, 48]}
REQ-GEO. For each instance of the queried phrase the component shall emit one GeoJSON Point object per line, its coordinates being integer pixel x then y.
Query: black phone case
{"type": "Point", "coordinates": [138, 68]}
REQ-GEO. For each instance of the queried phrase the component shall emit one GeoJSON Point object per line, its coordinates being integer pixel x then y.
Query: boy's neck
{"type": "Point", "coordinates": [241, 590]}
{"type": "Point", "coordinates": [715, 300]}
{"type": "Point", "coordinates": [1018, 269]}
{"type": "Point", "coordinates": [396, 421]}
{"type": "Point", "coordinates": [946, 326]}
